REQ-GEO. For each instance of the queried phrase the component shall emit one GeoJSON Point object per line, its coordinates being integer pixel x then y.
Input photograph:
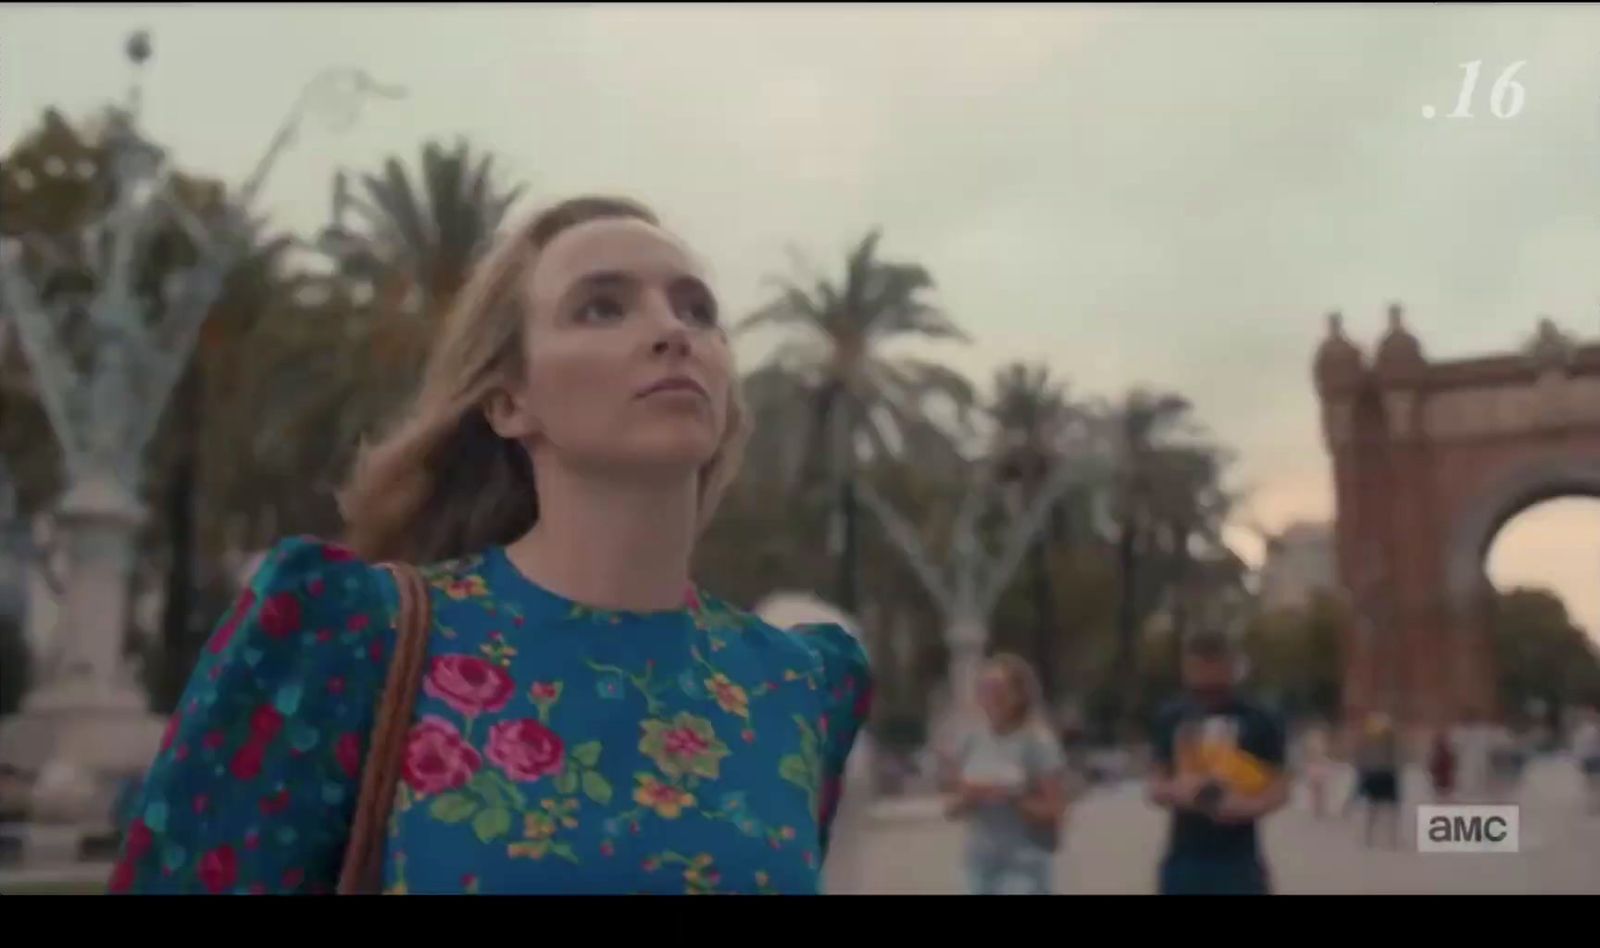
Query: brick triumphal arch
{"type": "Point", "coordinates": [1430, 460]}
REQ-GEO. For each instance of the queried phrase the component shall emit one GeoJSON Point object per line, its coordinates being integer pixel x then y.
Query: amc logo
{"type": "Point", "coordinates": [1467, 829]}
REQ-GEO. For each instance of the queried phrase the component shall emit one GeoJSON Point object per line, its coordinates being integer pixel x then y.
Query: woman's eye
{"type": "Point", "coordinates": [601, 309]}
{"type": "Point", "coordinates": [702, 312]}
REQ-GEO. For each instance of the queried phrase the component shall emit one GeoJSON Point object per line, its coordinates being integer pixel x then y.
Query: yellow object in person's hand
{"type": "Point", "coordinates": [1242, 773]}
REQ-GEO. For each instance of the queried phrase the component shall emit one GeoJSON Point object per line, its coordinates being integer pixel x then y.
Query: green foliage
{"type": "Point", "coordinates": [1296, 657]}
{"type": "Point", "coordinates": [295, 366]}
{"type": "Point", "coordinates": [1540, 654]}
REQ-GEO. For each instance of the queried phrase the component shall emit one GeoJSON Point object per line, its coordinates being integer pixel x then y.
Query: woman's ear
{"type": "Point", "coordinates": [510, 415]}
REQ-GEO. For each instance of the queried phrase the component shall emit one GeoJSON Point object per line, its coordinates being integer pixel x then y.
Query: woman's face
{"type": "Point", "coordinates": [998, 697]}
{"type": "Point", "coordinates": [628, 366]}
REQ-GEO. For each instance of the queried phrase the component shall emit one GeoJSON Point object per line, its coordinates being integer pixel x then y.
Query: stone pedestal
{"type": "Point", "coordinates": [45, 845]}
{"type": "Point", "coordinates": [86, 726]}
{"type": "Point", "coordinates": [109, 742]}
{"type": "Point", "coordinates": [967, 639]}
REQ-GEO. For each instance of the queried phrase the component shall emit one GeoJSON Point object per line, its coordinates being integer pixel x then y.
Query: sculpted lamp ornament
{"type": "Point", "coordinates": [86, 724]}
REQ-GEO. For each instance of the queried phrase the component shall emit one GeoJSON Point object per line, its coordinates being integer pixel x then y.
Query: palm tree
{"type": "Point", "coordinates": [857, 400]}
{"type": "Point", "coordinates": [1189, 564]}
{"type": "Point", "coordinates": [415, 247]}
{"type": "Point", "coordinates": [1031, 411]}
{"type": "Point", "coordinates": [1148, 423]}
{"type": "Point", "coordinates": [426, 243]}
{"type": "Point", "coordinates": [403, 248]}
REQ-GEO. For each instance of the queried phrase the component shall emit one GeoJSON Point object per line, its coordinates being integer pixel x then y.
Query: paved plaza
{"type": "Point", "coordinates": [1115, 839]}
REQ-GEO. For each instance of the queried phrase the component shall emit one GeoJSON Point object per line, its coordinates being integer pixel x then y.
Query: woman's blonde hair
{"type": "Point", "coordinates": [1024, 682]}
{"type": "Point", "coordinates": [442, 483]}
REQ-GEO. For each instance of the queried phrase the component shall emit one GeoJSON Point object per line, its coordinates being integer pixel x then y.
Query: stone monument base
{"type": "Point", "coordinates": [78, 758]}
{"type": "Point", "coordinates": [113, 738]}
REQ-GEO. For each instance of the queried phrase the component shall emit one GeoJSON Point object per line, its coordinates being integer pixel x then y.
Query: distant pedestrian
{"type": "Point", "coordinates": [1220, 770]}
{"type": "Point", "coordinates": [1378, 777]}
{"type": "Point", "coordinates": [1442, 761]}
{"type": "Point", "coordinates": [1586, 748]}
{"type": "Point", "coordinates": [1007, 780]}
{"type": "Point", "coordinates": [1318, 770]}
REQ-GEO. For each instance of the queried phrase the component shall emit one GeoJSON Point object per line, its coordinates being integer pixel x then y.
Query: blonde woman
{"type": "Point", "coordinates": [586, 721]}
{"type": "Point", "coordinates": [1007, 780]}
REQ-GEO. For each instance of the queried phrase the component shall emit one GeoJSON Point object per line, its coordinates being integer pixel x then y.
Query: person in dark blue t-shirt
{"type": "Point", "coordinates": [1219, 769]}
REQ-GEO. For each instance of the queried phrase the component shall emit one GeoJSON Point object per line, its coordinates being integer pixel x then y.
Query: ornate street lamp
{"type": "Point", "coordinates": [86, 722]}
{"type": "Point", "coordinates": [967, 585]}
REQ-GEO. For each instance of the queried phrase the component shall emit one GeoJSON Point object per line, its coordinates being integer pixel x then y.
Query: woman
{"type": "Point", "coordinates": [1378, 782]}
{"type": "Point", "coordinates": [587, 722]}
{"type": "Point", "coordinates": [1007, 779]}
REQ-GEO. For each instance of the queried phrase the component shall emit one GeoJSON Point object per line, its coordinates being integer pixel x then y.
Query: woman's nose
{"type": "Point", "coordinates": [670, 335]}
{"type": "Point", "coordinates": [673, 341]}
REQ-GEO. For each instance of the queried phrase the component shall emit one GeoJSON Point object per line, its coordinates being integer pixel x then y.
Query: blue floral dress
{"type": "Point", "coordinates": [554, 748]}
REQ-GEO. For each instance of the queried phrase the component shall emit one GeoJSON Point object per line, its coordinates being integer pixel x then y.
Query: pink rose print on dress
{"type": "Point", "coordinates": [219, 869]}
{"type": "Point", "coordinates": [275, 804]}
{"type": "Point", "coordinates": [138, 843]}
{"type": "Point", "coordinates": [685, 745]}
{"type": "Point", "coordinates": [224, 634]}
{"type": "Point", "coordinates": [333, 553]}
{"type": "Point", "coordinates": [469, 685]}
{"type": "Point", "coordinates": [171, 732]}
{"type": "Point", "coordinates": [526, 750]}
{"type": "Point", "coordinates": [123, 875]}
{"type": "Point", "coordinates": [348, 752]}
{"type": "Point", "coordinates": [863, 704]}
{"type": "Point", "coordinates": [280, 615]}
{"type": "Point", "coordinates": [139, 839]}
{"type": "Point", "coordinates": [246, 764]}
{"type": "Point", "coordinates": [437, 759]}
{"type": "Point", "coordinates": [265, 723]}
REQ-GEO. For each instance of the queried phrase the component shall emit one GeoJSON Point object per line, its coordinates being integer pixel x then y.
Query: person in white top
{"type": "Point", "coordinates": [1318, 769]}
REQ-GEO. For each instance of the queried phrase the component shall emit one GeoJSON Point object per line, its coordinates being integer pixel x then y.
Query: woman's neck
{"type": "Point", "coordinates": [610, 544]}
{"type": "Point", "coordinates": [1008, 726]}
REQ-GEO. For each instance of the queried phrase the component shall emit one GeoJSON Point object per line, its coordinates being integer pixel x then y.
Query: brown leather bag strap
{"type": "Point", "coordinates": [362, 872]}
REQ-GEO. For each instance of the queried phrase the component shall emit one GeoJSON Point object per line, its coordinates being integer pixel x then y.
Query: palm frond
{"type": "Point", "coordinates": [455, 217]}
{"type": "Point", "coordinates": [923, 378]}
{"type": "Point", "coordinates": [404, 232]}
{"type": "Point", "coordinates": [791, 307]}
{"type": "Point", "coordinates": [860, 266]}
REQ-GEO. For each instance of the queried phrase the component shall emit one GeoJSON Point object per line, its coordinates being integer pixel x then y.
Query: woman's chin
{"type": "Point", "coordinates": [678, 456]}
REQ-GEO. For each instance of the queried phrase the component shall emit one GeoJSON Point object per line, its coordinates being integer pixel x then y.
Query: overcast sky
{"type": "Point", "coordinates": [1164, 195]}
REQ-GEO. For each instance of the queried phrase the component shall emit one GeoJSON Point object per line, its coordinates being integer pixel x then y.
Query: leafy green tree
{"type": "Point", "coordinates": [858, 399]}
{"type": "Point", "coordinates": [1540, 654]}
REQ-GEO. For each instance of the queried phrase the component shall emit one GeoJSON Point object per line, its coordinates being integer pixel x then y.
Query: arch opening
{"type": "Point", "coordinates": [1552, 546]}
{"type": "Point", "coordinates": [1469, 550]}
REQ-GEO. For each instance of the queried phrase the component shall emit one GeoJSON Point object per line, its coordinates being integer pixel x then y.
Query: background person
{"type": "Point", "coordinates": [1007, 780]}
{"type": "Point", "coordinates": [1219, 769]}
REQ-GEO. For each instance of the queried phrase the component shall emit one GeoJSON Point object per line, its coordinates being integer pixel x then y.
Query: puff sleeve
{"type": "Point", "coordinates": [848, 684]}
{"type": "Point", "coordinates": [256, 781]}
